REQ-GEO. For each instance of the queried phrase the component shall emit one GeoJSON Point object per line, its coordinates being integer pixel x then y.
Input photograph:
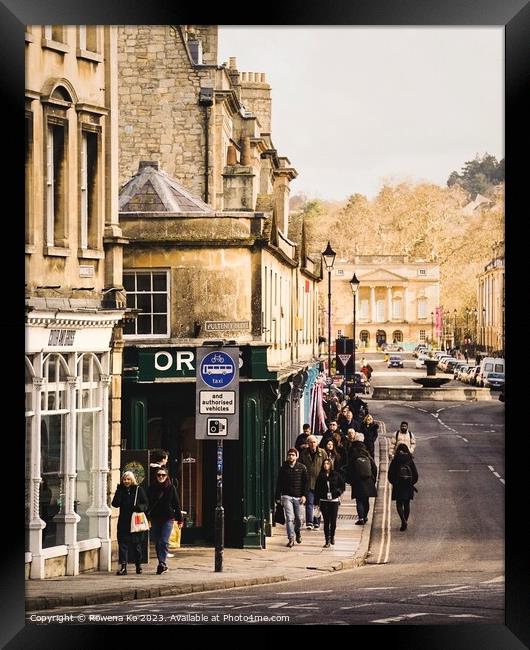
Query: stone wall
{"type": "Point", "coordinates": [160, 115]}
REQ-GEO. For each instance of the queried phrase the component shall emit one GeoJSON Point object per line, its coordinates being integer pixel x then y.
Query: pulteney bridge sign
{"type": "Point", "coordinates": [217, 394]}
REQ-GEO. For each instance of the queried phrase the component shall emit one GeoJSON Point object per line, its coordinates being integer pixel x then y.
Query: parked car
{"type": "Point", "coordinates": [458, 367]}
{"type": "Point", "coordinates": [493, 380]}
{"type": "Point", "coordinates": [419, 349]}
{"type": "Point", "coordinates": [392, 347]}
{"type": "Point", "coordinates": [472, 375]}
{"type": "Point", "coordinates": [420, 361]}
{"type": "Point", "coordinates": [395, 361]}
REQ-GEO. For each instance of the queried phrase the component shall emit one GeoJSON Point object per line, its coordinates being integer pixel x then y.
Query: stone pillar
{"type": "Point", "coordinates": [67, 519]}
{"type": "Point", "coordinates": [405, 298]}
{"type": "Point", "coordinates": [101, 510]}
{"type": "Point", "coordinates": [36, 525]}
{"type": "Point", "coordinates": [389, 303]}
{"type": "Point", "coordinates": [231, 156]}
{"type": "Point", "coordinates": [372, 305]}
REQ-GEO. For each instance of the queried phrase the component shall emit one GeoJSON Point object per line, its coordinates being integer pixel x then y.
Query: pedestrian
{"type": "Point", "coordinates": [312, 458]}
{"type": "Point", "coordinates": [164, 509]}
{"type": "Point", "coordinates": [291, 490]}
{"type": "Point", "coordinates": [402, 435]}
{"type": "Point", "coordinates": [328, 488]}
{"type": "Point", "coordinates": [129, 497]}
{"type": "Point", "coordinates": [370, 429]}
{"type": "Point", "coordinates": [403, 475]}
{"type": "Point", "coordinates": [334, 454]}
{"type": "Point", "coordinates": [362, 474]}
{"type": "Point", "coordinates": [301, 440]}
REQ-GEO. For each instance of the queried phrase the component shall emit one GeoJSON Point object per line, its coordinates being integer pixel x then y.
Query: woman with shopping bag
{"type": "Point", "coordinates": [164, 510]}
{"type": "Point", "coordinates": [130, 498]}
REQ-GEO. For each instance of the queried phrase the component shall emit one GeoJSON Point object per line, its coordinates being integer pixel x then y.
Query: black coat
{"type": "Point", "coordinates": [124, 500]}
{"type": "Point", "coordinates": [163, 502]}
{"type": "Point", "coordinates": [336, 484]}
{"type": "Point", "coordinates": [292, 481]}
{"type": "Point", "coordinates": [402, 491]}
{"type": "Point", "coordinates": [361, 487]}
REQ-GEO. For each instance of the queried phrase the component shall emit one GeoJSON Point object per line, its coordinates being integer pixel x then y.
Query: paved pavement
{"type": "Point", "coordinates": [192, 568]}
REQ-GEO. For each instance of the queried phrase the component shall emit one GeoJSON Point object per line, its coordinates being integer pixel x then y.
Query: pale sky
{"type": "Point", "coordinates": [352, 106]}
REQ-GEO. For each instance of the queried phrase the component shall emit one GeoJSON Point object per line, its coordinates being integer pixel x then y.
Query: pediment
{"type": "Point", "coordinates": [383, 275]}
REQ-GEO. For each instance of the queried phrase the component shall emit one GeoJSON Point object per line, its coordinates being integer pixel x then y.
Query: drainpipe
{"type": "Point", "coordinates": [206, 100]}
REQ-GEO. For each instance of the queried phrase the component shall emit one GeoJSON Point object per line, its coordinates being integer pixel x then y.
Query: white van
{"type": "Point", "coordinates": [489, 364]}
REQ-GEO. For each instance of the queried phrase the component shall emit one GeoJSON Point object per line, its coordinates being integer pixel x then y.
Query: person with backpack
{"type": "Point", "coordinates": [402, 435]}
{"type": "Point", "coordinates": [361, 474]}
{"type": "Point", "coordinates": [403, 475]}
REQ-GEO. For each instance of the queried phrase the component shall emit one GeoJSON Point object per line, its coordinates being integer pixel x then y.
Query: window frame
{"type": "Point", "coordinates": [151, 335]}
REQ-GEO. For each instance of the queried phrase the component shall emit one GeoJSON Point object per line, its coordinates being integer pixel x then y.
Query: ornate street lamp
{"type": "Point", "coordinates": [354, 284]}
{"type": "Point", "coordinates": [329, 260]}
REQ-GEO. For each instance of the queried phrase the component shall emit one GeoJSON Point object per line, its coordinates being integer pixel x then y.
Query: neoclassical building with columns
{"type": "Point", "coordinates": [396, 300]}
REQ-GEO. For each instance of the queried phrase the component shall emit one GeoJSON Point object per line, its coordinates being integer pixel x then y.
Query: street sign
{"type": "Point", "coordinates": [217, 394]}
{"type": "Point", "coordinates": [344, 358]}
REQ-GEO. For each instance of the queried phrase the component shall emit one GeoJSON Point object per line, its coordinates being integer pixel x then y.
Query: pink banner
{"type": "Point", "coordinates": [438, 321]}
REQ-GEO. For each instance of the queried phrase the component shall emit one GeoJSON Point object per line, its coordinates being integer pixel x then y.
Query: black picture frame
{"type": "Point", "coordinates": [515, 16]}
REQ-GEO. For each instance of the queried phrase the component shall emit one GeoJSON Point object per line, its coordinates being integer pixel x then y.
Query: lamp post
{"type": "Point", "coordinates": [432, 328]}
{"type": "Point", "coordinates": [354, 283]}
{"type": "Point", "coordinates": [454, 329]}
{"type": "Point", "coordinates": [484, 328]}
{"type": "Point", "coordinates": [468, 311]}
{"type": "Point", "coordinates": [329, 260]}
{"type": "Point", "coordinates": [445, 329]}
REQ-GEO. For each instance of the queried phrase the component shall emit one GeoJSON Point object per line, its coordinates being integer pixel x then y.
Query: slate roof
{"type": "Point", "coordinates": [152, 190]}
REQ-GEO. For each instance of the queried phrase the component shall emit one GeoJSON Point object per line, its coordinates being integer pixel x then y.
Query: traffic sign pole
{"type": "Point", "coordinates": [219, 510]}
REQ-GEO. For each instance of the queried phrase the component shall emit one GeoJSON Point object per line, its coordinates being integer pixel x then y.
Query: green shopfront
{"type": "Point", "coordinates": [158, 401]}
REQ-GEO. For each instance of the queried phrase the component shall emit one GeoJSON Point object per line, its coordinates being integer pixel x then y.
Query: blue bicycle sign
{"type": "Point", "coordinates": [217, 369]}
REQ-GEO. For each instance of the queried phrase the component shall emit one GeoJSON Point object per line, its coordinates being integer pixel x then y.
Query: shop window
{"type": "Point", "coordinates": [148, 292]}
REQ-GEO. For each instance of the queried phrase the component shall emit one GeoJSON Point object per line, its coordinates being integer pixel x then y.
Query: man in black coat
{"type": "Point", "coordinates": [291, 490]}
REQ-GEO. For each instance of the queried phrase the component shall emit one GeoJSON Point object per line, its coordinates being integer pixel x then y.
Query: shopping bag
{"type": "Point", "coordinates": [279, 514]}
{"type": "Point", "coordinates": [174, 537]}
{"type": "Point", "coordinates": [139, 522]}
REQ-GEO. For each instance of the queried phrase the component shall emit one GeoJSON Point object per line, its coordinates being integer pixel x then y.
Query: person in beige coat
{"type": "Point", "coordinates": [312, 458]}
{"type": "Point", "coordinates": [402, 436]}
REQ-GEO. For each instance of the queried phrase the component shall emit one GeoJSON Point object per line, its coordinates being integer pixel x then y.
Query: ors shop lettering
{"type": "Point", "coordinates": [61, 337]}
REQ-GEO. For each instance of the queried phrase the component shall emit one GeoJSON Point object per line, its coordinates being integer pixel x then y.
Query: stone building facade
{"type": "Point", "coordinates": [396, 301]}
{"type": "Point", "coordinates": [212, 255]}
{"type": "Point", "coordinates": [74, 297]}
{"type": "Point", "coordinates": [490, 300]}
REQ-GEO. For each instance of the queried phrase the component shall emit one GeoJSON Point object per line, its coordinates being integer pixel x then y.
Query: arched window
{"type": "Point", "coordinates": [365, 337]}
{"type": "Point", "coordinates": [397, 336]}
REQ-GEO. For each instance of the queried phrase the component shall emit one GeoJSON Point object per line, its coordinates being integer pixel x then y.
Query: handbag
{"type": "Point", "coordinates": [139, 522]}
{"type": "Point", "coordinates": [174, 537]}
{"type": "Point", "coordinates": [279, 514]}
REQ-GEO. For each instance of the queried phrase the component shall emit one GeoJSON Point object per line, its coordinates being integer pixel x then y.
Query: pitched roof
{"type": "Point", "coordinates": [152, 190]}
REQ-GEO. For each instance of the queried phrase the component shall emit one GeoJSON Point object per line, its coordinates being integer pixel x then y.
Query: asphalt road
{"type": "Point", "coordinates": [445, 569]}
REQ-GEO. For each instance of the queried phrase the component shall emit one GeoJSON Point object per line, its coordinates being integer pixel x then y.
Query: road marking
{"type": "Point", "coordinates": [458, 470]}
{"type": "Point", "coordinates": [290, 593]}
{"type": "Point", "coordinates": [443, 592]}
{"type": "Point", "coordinates": [362, 605]}
{"type": "Point", "coordinates": [497, 579]}
{"type": "Point", "coordinates": [495, 473]}
{"type": "Point", "coordinates": [396, 619]}
{"type": "Point", "coordinates": [385, 527]}
{"type": "Point", "coordinates": [464, 439]}
{"type": "Point", "coordinates": [376, 588]}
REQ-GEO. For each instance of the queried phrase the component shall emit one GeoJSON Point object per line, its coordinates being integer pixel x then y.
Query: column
{"type": "Point", "coordinates": [36, 525]}
{"type": "Point", "coordinates": [68, 517]}
{"type": "Point", "coordinates": [101, 511]}
{"type": "Point", "coordinates": [405, 298]}
{"type": "Point", "coordinates": [389, 303]}
{"type": "Point", "coordinates": [372, 305]}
